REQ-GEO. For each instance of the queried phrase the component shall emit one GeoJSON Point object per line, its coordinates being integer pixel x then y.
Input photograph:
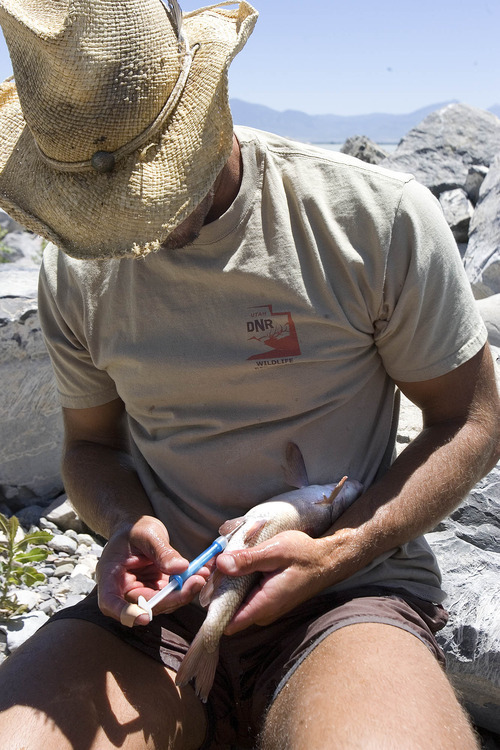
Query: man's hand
{"type": "Point", "coordinates": [137, 561]}
{"type": "Point", "coordinates": [293, 568]}
{"type": "Point", "coordinates": [459, 444]}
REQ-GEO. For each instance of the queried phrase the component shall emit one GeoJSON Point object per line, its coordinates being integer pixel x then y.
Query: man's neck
{"type": "Point", "coordinates": [227, 184]}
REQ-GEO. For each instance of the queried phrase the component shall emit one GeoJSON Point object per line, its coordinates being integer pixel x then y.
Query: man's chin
{"type": "Point", "coordinates": [189, 230]}
{"type": "Point", "coordinates": [176, 242]}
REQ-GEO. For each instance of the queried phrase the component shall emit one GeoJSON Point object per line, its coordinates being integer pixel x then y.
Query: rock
{"type": "Point", "coordinates": [85, 539]}
{"type": "Point", "coordinates": [482, 259]}
{"type": "Point", "coordinates": [62, 513]}
{"type": "Point", "coordinates": [96, 549]}
{"type": "Point", "coordinates": [22, 248]}
{"type": "Point", "coordinates": [30, 598]}
{"type": "Point", "coordinates": [474, 180]}
{"type": "Point", "coordinates": [410, 423]}
{"type": "Point", "coordinates": [72, 599]}
{"type": "Point", "coordinates": [20, 534]}
{"type": "Point", "coordinates": [47, 525]}
{"type": "Point", "coordinates": [86, 566]}
{"type": "Point", "coordinates": [18, 281]}
{"type": "Point", "coordinates": [64, 569]}
{"type": "Point", "coordinates": [489, 308]}
{"type": "Point", "coordinates": [49, 606]}
{"type": "Point", "coordinates": [30, 516]}
{"type": "Point", "coordinates": [76, 585]}
{"type": "Point", "coordinates": [363, 148]}
{"type": "Point", "coordinates": [458, 211]}
{"type": "Point", "coordinates": [446, 144]}
{"type": "Point", "coordinates": [63, 543]}
{"type": "Point", "coordinates": [7, 223]}
{"type": "Point", "coordinates": [472, 650]}
{"type": "Point", "coordinates": [19, 629]}
{"type": "Point", "coordinates": [467, 546]}
{"type": "Point", "coordinates": [17, 245]}
{"type": "Point", "coordinates": [30, 415]}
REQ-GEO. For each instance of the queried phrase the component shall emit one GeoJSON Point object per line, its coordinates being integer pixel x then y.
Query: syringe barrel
{"type": "Point", "coordinates": [194, 566]}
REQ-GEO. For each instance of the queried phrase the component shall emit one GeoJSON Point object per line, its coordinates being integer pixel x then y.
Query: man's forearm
{"type": "Point", "coordinates": [427, 482]}
{"type": "Point", "coordinates": [103, 486]}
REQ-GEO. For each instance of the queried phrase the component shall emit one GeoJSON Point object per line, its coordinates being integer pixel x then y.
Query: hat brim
{"type": "Point", "coordinates": [132, 210]}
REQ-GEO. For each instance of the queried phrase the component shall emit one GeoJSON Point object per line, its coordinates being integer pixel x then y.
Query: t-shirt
{"type": "Point", "coordinates": [286, 320]}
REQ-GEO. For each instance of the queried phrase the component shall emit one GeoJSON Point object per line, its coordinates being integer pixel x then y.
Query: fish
{"type": "Point", "coordinates": [310, 508]}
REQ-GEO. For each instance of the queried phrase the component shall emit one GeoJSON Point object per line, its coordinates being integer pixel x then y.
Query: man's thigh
{"type": "Point", "coordinates": [75, 685]}
{"type": "Point", "coordinates": [368, 685]}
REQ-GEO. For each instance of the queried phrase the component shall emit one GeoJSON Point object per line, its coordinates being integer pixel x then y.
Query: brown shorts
{"type": "Point", "coordinates": [256, 663]}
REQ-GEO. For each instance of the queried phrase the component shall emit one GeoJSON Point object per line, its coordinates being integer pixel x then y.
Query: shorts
{"type": "Point", "coordinates": [256, 663]}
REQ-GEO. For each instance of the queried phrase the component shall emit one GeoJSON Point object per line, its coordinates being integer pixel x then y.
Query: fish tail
{"type": "Point", "coordinates": [200, 664]}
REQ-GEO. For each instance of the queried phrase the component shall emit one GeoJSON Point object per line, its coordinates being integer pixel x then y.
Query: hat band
{"type": "Point", "coordinates": [105, 161]}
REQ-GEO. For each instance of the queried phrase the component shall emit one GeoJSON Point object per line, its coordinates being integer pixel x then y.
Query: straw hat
{"type": "Point", "coordinates": [118, 121]}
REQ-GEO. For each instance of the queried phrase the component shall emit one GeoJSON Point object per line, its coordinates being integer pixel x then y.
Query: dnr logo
{"type": "Point", "coordinates": [275, 334]}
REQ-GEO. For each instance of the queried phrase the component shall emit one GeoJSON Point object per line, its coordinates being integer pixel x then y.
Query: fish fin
{"type": "Point", "coordinates": [254, 529]}
{"type": "Point", "coordinates": [231, 525]}
{"type": "Point", "coordinates": [295, 469]}
{"type": "Point", "coordinates": [350, 491]}
{"type": "Point", "coordinates": [210, 587]}
{"type": "Point", "coordinates": [199, 664]}
{"type": "Point", "coordinates": [328, 499]}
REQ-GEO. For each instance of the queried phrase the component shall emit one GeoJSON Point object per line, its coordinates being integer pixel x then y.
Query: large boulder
{"type": "Point", "coordinates": [482, 259]}
{"type": "Point", "coordinates": [458, 211]}
{"type": "Point", "coordinates": [30, 416]}
{"type": "Point", "coordinates": [30, 449]}
{"type": "Point", "coordinates": [442, 149]}
{"type": "Point", "coordinates": [467, 546]}
{"type": "Point", "coordinates": [489, 307]}
{"type": "Point", "coordinates": [364, 149]}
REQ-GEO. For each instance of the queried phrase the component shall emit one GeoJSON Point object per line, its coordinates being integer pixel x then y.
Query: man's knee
{"type": "Point", "coordinates": [368, 685]}
{"type": "Point", "coordinates": [76, 685]}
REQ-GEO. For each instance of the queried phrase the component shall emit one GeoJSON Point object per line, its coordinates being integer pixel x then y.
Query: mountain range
{"type": "Point", "coordinates": [379, 127]}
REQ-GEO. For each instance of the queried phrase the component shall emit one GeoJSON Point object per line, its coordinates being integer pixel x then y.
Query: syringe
{"type": "Point", "coordinates": [176, 581]}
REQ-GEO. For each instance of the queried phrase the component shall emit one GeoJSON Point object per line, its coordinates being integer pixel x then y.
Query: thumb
{"type": "Point", "coordinates": [267, 556]}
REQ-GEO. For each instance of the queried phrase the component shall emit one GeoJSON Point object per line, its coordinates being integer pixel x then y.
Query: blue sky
{"type": "Point", "coordinates": [363, 56]}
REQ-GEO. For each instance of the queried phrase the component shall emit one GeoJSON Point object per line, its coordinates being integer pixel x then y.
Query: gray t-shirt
{"type": "Point", "coordinates": [285, 320]}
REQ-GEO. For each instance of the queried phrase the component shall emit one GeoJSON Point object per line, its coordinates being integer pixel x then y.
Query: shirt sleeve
{"type": "Point", "coordinates": [80, 383]}
{"type": "Point", "coordinates": [428, 322]}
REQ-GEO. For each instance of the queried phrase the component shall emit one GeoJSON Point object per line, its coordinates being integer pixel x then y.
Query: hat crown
{"type": "Point", "coordinates": [90, 74]}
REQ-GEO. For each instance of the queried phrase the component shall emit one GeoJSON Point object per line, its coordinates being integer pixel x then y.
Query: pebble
{"type": "Point", "coordinates": [85, 567]}
{"type": "Point", "coordinates": [63, 543]}
{"type": "Point", "coordinates": [64, 569]}
{"type": "Point", "coordinates": [69, 572]}
{"type": "Point", "coordinates": [30, 598]}
{"type": "Point", "coordinates": [85, 539]}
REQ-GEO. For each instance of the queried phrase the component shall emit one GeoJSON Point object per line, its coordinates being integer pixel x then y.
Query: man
{"type": "Point", "coordinates": [289, 291]}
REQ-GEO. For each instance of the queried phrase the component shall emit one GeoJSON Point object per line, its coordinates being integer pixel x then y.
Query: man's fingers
{"type": "Point", "coordinates": [130, 613]}
{"type": "Point", "coordinates": [155, 545]}
{"type": "Point", "coordinates": [191, 587]}
{"type": "Point", "coordinates": [271, 555]}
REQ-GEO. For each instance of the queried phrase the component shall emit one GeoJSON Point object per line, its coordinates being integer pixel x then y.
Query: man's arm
{"type": "Point", "coordinates": [97, 469]}
{"type": "Point", "coordinates": [100, 479]}
{"type": "Point", "coordinates": [459, 444]}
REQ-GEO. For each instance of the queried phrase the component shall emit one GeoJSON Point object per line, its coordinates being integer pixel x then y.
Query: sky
{"type": "Point", "coordinates": [365, 56]}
